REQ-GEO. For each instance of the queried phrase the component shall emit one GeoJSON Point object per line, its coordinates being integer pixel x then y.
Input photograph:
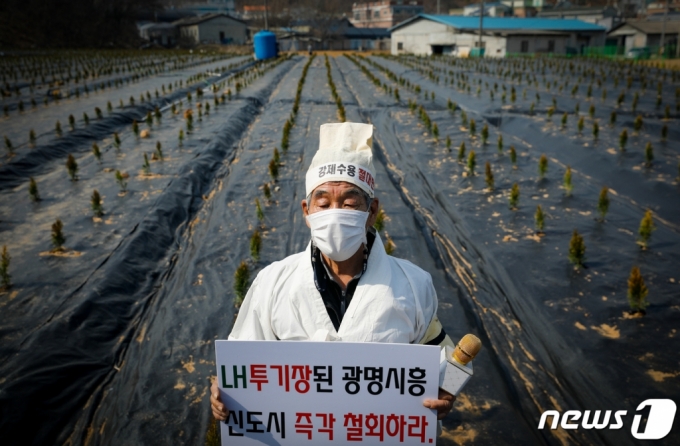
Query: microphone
{"type": "Point", "coordinates": [455, 368]}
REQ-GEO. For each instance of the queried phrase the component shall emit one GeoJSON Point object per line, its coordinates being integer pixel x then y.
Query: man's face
{"type": "Point", "coordinates": [340, 195]}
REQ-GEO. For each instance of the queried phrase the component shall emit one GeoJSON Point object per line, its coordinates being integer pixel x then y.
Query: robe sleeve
{"type": "Point", "coordinates": [253, 322]}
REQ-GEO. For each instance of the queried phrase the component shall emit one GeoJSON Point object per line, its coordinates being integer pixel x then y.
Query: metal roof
{"type": "Point", "coordinates": [506, 23]}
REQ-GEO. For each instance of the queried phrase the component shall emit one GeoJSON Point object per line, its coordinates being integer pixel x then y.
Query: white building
{"type": "Point", "coordinates": [457, 35]}
{"type": "Point", "coordinates": [212, 28]}
{"type": "Point", "coordinates": [496, 9]}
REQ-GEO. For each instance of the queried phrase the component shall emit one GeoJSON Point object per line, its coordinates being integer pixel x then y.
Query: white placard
{"type": "Point", "coordinates": [319, 393]}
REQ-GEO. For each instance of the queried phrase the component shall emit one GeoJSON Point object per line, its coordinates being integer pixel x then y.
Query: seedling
{"type": "Point", "coordinates": [255, 244]}
{"type": "Point", "coordinates": [241, 278]}
{"type": "Point", "coordinates": [473, 127]}
{"type": "Point", "coordinates": [649, 154]}
{"type": "Point", "coordinates": [267, 191]}
{"type": "Point", "coordinates": [623, 138]}
{"type": "Point", "coordinates": [58, 238]}
{"type": "Point", "coordinates": [646, 228]}
{"type": "Point", "coordinates": [461, 152]}
{"type": "Point", "coordinates": [72, 167]}
{"type": "Point", "coordinates": [596, 130]}
{"type": "Point", "coordinates": [273, 169]}
{"type": "Point", "coordinates": [448, 143]}
{"type": "Point", "coordinates": [637, 292]}
{"type": "Point", "coordinates": [120, 179]}
{"type": "Point", "coordinates": [539, 218]}
{"type": "Point", "coordinates": [5, 277]}
{"type": "Point", "coordinates": [471, 162]}
{"type": "Point", "coordinates": [181, 137]}
{"type": "Point", "coordinates": [96, 152]}
{"type": "Point", "coordinates": [603, 203]}
{"type": "Point", "coordinates": [591, 111]}
{"type": "Point", "coordinates": [96, 201]}
{"type": "Point", "coordinates": [116, 141]}
{"type": "Point", "coordinates": [259, 211]}
{"type": "Point", "coordinates": [664, 132]}
{"type": "Point", "coordinates": [567, 181]}
{"type": "Point", "coordinates": [72, 122]}
{"type": "Point", "coordinates": [33, 190]}
{"type": "Point", "coordinates": [31, 137]}
{"type": "Point", "coordinates": [542, 165]}
{"type": "Point", "coordinates": [513, 156]}
{"type": "Point", "coordinates": [577, 250]}
{"type": "Point", "coordinates": [435, 130]}
{"type": "Point", "coordinates": [489, 176]}
{"type": "Point", "coordinates": [485, 133]}
{"type": "Point", "coordinates": [564, 120]}
{"type": "Point", "coordinates": [580, 124]}
{"type": "Point", "coordinates": [57, 128]}
{"type": "Point", "coordinates": [514, 196]}
{"type": "Point", "coordinates": [86, 119]}
{"type": "Point", "coordinates": [379, 224]}
{"type": "Point", "coordinates": [612, 118]}
{"type": "Point", "coordinates": [146, 167]}
{"type": "Point", "coordinates": [9, 146]}
{"type": "Point", "coordinates": [637, 124]}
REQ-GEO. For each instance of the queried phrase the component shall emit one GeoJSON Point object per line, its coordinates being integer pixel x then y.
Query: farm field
{"type": "Point", "coordinates": [107, 336]}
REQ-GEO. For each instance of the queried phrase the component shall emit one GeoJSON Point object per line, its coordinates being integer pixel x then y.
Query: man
{"type": "Point", "coordinates": [344, 286]}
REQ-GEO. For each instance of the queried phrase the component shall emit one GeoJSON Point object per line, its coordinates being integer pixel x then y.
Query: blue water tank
{"type": "Point", "coordinates": [265, 45]}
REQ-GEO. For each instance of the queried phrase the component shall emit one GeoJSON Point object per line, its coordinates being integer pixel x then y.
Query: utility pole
{"type": "Point", "coordinates": [266, 26]}
{"type": "Point", "coordinates": [437, 7]}
{"type": "Point", "coordinates": [481, 18]}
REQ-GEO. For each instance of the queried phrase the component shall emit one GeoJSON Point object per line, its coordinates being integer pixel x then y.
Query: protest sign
{"type": "Point", "coordinates": [296, 393]}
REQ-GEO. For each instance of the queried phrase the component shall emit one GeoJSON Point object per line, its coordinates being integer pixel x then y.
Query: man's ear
{"type": "Point", "coordinates": [305, 211]}
{"type": "Point", "coordinates": [373, 212]}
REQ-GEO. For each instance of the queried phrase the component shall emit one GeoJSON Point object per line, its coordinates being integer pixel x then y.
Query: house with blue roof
{"type": "Point", "coordinates": [427, 34]}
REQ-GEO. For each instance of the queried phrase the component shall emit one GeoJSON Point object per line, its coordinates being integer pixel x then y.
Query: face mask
{"type": "Point", "coordinates": [338, 233]}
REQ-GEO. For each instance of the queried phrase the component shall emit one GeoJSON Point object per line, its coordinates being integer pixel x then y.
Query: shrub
{"type": "Point", "coordinates": [603, 203]}
{"type": "Point", "coordinates": [72, 167]}
{"type": "Point", "coordinates": [539, 218]}
{"type": "Point", "coordinates": [58, 238]}
{"type": "Point", "coordinates": [241, 278]}
{"type": "Point", "coordinates": [258, 210]}
{"type": "Point", "coordinates": [471, 162]}
{"type": "Point", "coordinates": [255, 244]}
{"type": "Point", "coordinates": [120, 179]}
{"type": "Point", "coordinates": [489, 176]}
{"type": "Point", "coordinates": [623, 138]}
{"type": "Point", "coordinates": [567, 181]}
{"type": "Point", "coordinates": [637, 291]}
{"type": "Point", "coordinates": [461, 152]}
{"type": "Point", "coordinates": [379, 224]}
{"type": "Point", "coordinates": [513, 156]}
{"type": "Point", "coordinates": [542, 165]}
{"type": "Point", "coordinates": [96, 152]}
{"type": "Point", "coordinates": [649, 154]}
{"type": "Point", "coordinates": [646, 228]}
{"type": "Point", "coordinates": [33, 190]}
{"type": "Point", "coordinates": [96, 201]}
{"type": "Point", "coordinates": [514, 196]}
{"type": "Point", "coordinates": [577, 249]}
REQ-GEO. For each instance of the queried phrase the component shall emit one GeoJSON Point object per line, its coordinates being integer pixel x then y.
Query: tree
{"type": "Point", "coordinates": [489, 176]}
{"type": "Point", "coordinates": [539, 218]}
{"type": "Point", "coordinates": [637, 292]}
{"type": "Point", "coordinates": [471, 163]}
{"type": "Point", "coordinates": [72, 167]}
{"type": "Point", "coordinates": [255, 245]}
{"type": "Point", "coordinates": [646, 228]}
{"type": "Point", "coordinates": [577, 249]}
{"type": "Point", "coordinates": [514, 196]}
{"type": "Point", "coordinates": [96, 201]}
{"type": "Point", "coordinates": [33, 190]}
{"type": "Point", "coordinates": [241, 278]}
{"type": "Point", "coordinates": [603, 203]}
{"type": "Point", "coordinates": [58, 238]}
{"type": "Point", "coordinates": [5, 277]}
{"type": "Point", "coordinates": [542, 165]}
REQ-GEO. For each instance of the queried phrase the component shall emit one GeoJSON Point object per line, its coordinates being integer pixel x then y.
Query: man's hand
{"type": "Point", "coordinates": [220, 412]}
{"type": "Point", "coordinates": [443, 405]}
